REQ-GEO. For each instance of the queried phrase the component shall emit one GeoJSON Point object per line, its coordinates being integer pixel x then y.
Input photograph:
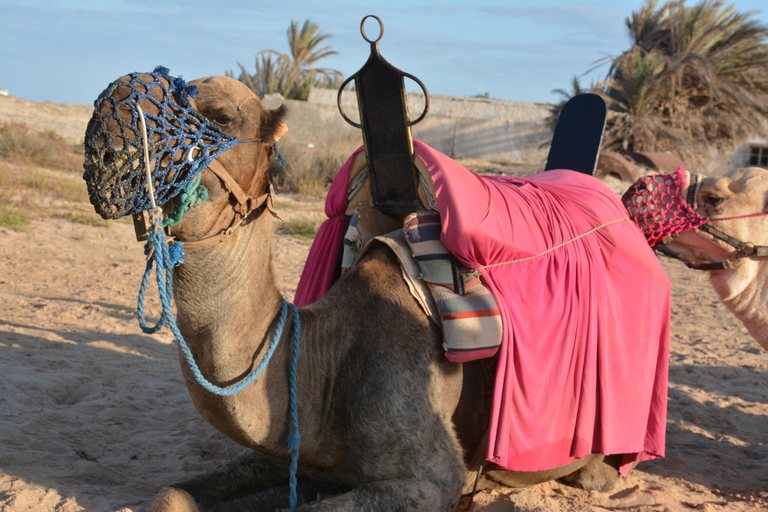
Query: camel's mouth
{"type": "Point", "coordinates": [180, 142]}
{"type": "Point", "coordinates": [700, 248]}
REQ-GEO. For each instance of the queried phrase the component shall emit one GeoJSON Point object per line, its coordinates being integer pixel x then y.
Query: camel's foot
{"type": "Point", "coordinates": [174, 500]}
{"type": "Point", "coordinates": [521, 479]}
{"type": "Point", "coordinates": [249, 473]}
{"type": "Point", "coordinates": [252, 482]}
{"type": "Point", "coordinates": [599, 474]}
{"type": "Point", "coordinates": [595, 473]}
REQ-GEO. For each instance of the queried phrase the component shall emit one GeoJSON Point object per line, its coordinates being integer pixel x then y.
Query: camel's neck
{"type": "Point", "coordinates": [226, 299]}
{"type": "Point", "coordinates": [744, 291]}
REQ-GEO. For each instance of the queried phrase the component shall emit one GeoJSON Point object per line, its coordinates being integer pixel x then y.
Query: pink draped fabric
{"type": "Point", "coordinates": [320, 267]}
{"type": "Point", "coordinates": [586, 312]}
{"type": "Point", "coordinates": [583, 362]}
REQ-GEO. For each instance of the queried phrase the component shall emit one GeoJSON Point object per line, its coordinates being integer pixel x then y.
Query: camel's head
{"type": "Point", "coordinates": [688, 213]}
{"type": "Point", "coordinates": [735, 197]}
{"type": "Point", "coordinates": [189, 126]}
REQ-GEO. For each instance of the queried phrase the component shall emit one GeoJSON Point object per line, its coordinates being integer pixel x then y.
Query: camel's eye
{"type": "Point", "coordinates": [222, 120]}
{"type": "Point", "coordinates": [713, 200]}
{"type": "Point", "coordinates": [219, 116]}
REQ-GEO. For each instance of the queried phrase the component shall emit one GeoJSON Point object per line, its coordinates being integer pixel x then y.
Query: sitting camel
{"type": "Point", "coordinates": [387, 422]}
{"type": "Point", "coordinates": [734, 250]}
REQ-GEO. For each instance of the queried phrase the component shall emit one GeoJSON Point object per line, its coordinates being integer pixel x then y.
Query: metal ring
{"type": "Point", "coordinates": [381, 28]}
{"type": "Point", "coordinates": [426, 98]}
{"type": "Point", "coordinates": [191, 153]}
{"type": "Point", "coordinates": [338, 102]}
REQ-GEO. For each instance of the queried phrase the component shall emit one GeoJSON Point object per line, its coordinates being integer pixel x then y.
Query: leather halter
{"type": "Point", "coordinates": [746, 249]}
{"type": "Point", "coordinates": [245, 206]}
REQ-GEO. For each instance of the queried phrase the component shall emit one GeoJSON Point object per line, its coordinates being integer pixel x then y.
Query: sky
{"type": "Point", "coordinates": [68, 51]}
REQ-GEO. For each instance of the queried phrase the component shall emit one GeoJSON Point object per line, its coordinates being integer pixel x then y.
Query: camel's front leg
{"type": "Point", "coordinates": [252, 481]}
{"type": "Point", "coordinates": [249, 473]}
{"type": "Point", "coordinates": [398, 495]}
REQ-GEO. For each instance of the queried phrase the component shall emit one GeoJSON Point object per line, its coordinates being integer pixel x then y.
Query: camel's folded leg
{"type": "Point", "coordinates": [599, 474]}
{"type": "Point", "coordinates": [249, 473]}
{"type": "Point", "coordinates": [252, 481]}
{"type": "Point", "coordinates": [594, 472]}
{"type": "Point", "coordinates": [276, 498]}
{"type": "Point", "coordinates": [391, 495]}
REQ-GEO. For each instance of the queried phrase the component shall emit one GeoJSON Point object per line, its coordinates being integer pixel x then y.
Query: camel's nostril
{"type": "Point", "coordinates": [109, 157]}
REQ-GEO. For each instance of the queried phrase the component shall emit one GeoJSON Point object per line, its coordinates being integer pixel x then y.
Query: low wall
{"type": "Point", "coordinates": [508, 132]}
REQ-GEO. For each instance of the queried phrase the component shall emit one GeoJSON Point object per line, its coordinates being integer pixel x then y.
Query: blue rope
{"type": "Point", "coordinates": [164, 258]}
{"type": "Point", "coordinates": [281, 161]}
{"type": "Point", "coordinates": [158, 253]}
{"type": "Point", "coordinates": [295, 439]}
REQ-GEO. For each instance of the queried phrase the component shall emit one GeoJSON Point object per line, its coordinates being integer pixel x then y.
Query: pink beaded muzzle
{"type": "Point", "coordinates": [657, 205]}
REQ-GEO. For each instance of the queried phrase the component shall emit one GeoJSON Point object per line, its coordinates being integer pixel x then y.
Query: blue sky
{"type": "Point", "coordinates": [68, 51]}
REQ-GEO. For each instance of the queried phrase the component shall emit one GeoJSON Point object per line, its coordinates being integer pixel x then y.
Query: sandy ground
{"type": "Point", "coordinates": [94, 415]}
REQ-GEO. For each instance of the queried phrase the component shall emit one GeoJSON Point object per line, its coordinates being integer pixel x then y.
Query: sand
{"type": "Point", "coordinates": [94, 415]}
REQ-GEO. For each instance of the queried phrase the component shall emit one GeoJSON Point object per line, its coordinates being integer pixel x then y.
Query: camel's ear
{"type": "Point", "coordinates": [272, 127]}
{"type": "Point", "coordinates": [281, 130]}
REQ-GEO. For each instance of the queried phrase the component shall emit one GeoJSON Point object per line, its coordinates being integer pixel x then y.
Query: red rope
{"type": "Point", "coordinates": [759, 214]}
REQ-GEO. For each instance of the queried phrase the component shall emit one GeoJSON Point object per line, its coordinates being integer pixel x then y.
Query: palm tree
{"type": "Point", "coordinates": [294, 75]}
{"type": "Point", "coordinates": [695, 77]}
{"type": "Point", "coordinates": [555, 108]}
{"type": "Point", "coordinates": [305, 52]}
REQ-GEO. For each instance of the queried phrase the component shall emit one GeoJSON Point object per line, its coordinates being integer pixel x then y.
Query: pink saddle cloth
{"type": "Point", "coordinates": [585, 307]}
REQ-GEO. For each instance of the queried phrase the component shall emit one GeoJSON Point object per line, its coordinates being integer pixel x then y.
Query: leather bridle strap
{"type": "Point", "coordinates": [243, 209]}
{"type": "Point", "coordinates": [720, 265]}
{"type": "Point", "coordinates": [747, 249]}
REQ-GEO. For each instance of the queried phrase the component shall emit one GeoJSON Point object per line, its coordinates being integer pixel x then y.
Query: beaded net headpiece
{"type": "Point", "coordinates": [656, 204]}
{"type": "Point", "coordinates": [181, 142]}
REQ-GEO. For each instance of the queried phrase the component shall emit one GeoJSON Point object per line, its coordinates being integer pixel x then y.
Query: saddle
{"type": "Point", "coordinates": [450, 293]}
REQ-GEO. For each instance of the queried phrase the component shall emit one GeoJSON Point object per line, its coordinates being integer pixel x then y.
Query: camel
{"type": "Point", "coordinates": [741, 282]}
{"type": "Point", "coordinates": [387, 422]}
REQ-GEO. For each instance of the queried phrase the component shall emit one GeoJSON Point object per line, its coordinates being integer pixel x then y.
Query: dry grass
{"type": "Point", "coordinates": [45, 148]}
{"type": "Point", "coordinates": [68, 187]}
{"type": "Point", "coordinates": [40, 176]}
{"type": "Point", "coordinates": [311, 168]}
{"type": "Point", "coordinates": [33, 192]}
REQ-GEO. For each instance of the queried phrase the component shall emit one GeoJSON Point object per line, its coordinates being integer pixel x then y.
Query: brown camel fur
{"type": "Point", "coordinates": [386, 422]}
{"type": "Point", "coordinates": [743, 288]}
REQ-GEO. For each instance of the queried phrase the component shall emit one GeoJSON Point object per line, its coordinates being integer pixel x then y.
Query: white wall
{"type": "Point", "coordinates": [490, 129]}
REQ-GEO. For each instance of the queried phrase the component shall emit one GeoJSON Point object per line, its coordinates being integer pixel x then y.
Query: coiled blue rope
{"type": "Point", "coordinates": [164, 258]}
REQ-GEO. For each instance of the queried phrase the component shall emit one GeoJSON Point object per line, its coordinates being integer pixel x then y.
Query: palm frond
{"type": "Point", "coordinates": [293, 74]}
{"type": "Point", "coordinates": [695, 78]}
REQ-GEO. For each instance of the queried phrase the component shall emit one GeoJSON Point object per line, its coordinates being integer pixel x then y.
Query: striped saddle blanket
{"type": "Point", "coordinates": [470, 315]}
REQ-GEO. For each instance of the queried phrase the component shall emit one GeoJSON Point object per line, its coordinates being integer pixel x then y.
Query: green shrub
{"type": "Point", "coordinates": [299, 228]}
{"type": "Point", "coordinates": [11, 218]}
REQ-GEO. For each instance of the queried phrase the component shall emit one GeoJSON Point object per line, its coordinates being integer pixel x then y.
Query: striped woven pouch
{"type": "Point", "coordinates": [470, 316]}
